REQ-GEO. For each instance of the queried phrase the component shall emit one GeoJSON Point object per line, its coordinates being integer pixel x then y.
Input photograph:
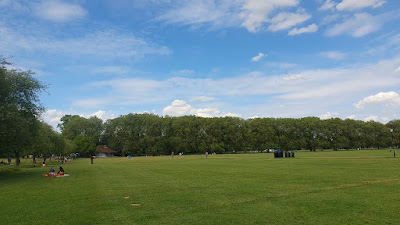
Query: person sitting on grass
{"type": "Point", "coordinates": [61, 171]}
{"type": "Point", "coordinates": [52, 172]}
{"type": "Point", "coordinates": [43, 164]}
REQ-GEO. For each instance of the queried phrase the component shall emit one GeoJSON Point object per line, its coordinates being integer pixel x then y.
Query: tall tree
{"type": "Point", "coordinates": [48, 142]}
{"type": "Point", "coordinates": [74, 126]}
{"type": "Point", "coordinates": [84, 145]}
{"type": "Point", "coordinates": [19, 109]}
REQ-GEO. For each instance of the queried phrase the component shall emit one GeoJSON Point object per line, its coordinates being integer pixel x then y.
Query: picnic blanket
{"type": "Point", "coordinates": [56, 175]}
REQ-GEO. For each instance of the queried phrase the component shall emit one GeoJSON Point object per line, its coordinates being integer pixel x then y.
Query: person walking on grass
{"type": "Point", "coordinates": [91, 159]}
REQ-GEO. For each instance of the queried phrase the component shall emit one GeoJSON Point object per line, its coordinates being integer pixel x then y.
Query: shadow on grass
{"type": "Point", "coordinates": [11, 173]}
{"type": "Point", "coordinates": [5, 169]}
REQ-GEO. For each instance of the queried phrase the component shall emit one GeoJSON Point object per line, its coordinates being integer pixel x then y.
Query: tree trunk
{"type": "Point", "coordinates": [17, 159]}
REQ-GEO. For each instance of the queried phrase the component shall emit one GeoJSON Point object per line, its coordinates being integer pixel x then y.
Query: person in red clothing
{"type": "Point", "coordinates": [61, 171]}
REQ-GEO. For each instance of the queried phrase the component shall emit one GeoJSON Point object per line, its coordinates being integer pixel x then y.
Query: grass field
{"type": "Point", "coordinates": [345, 187]}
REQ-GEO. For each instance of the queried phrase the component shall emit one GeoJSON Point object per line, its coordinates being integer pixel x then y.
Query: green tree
{"type": "Point", "coordinates": [44, 141]}
{"type": "Point", "coordinates": [48, 142]}
{"type": "Point", "coordinates": [84, 145]}
{"type": "Point", "coordinates": [74, 126]}
{"type": "Point", "coordinates": [19, 109]}
{"type": "Point", "coordinates": [311, 127]}
{"type": "Point", "coordinates": [395, 125]}
{"type": "Point", "coordinates": [150, 134]}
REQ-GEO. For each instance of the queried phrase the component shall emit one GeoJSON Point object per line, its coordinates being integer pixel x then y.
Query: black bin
{"type": "Point", "coordinates": [278, 154]}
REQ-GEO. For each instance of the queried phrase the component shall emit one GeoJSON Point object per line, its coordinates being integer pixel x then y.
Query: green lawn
{"type": "Point", "coordinates": [344, 187]}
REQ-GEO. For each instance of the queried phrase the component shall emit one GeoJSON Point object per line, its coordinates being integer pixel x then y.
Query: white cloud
{"type": "Point", "coordinates": [250, 14]}
{"type": "Point", "coordinates": [309, 92]}
{"type": "Point", "coordinates": [329, 4]}
{"type": "Point", "coordinates": [255, 13]}
{"type": "Point", "coordinates": [253, 117]}
{"type": "Point", "coordinates": [57, 11]}
{"type": "Point", "coordinates": [284, 20]}
{"type": "Point", "coordinates": [309, 29]}
{"type": "Point", "coordinates": [177, 108]}
{"type": "Point", "coordinates": [309, 84]}
{"type": "Point", "coordinates": [374, 118]}
{"type": "Point", "coordinates": [343, 82]}
{"type": "Point", "coordinates": [231, 115]}
{"type": "Point", "coordinates": [329, 115]}
{"type": "Point", "coordinates": [359, 25]}
{"type": "Point", "coordinates": [205, 112]}
{"type": "Point", "coordinates": [103, 115]}
{"type": "Point", "coordinates": [371, 118]}
{"type": "Point", "coordinates": [350, 5]}
{"type": "Point", "coordinates": [335, 55]}
{"type": "Point", "coordinates": [386, 43]}
{"type": "Point", "coordinates": [258, 57]}
{"type": "Point", "coordinates": [216, 14]}
{"type": "Point", "coordinates": [181, 108]}
{"type": "Point", "coordinates": [398, 70]}
{"type": "Point", "coordinates": [387, 98]}
{"type": "Point", "coordinates": [330, 19]}
{"type": "Point", "coordinates": [202, 99]}
{"type": "Point", "coordinates": [106, 43]}
{"type": "Point", "coordinates": [52, 116]}
{"type": "Point", "coordinates": [295, 77]}
{"type": "Point", "coordinates": [351, 117]}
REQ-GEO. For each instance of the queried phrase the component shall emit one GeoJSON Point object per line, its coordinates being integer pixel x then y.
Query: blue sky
{"type": "Point", "coordinates": [245, 58]}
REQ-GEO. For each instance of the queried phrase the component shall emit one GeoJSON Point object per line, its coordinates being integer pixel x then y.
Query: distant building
{"type": "Point", "coordinates": [104, 151]}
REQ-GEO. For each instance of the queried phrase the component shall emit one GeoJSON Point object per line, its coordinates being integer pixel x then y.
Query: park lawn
{"type": "Point", "coordinates": [343, 187]}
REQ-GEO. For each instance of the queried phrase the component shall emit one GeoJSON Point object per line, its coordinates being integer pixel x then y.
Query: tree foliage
{"type": "Point", "coordinates": [49, 142]}
{"type": "Point", "coordinates": [84, 145]}
{"type": "Point", "coordinates": [19, 109]}
{"type": "Point", "coordinates": [147, 134]}
{"type": "Point", "coordinates": [73, 126]}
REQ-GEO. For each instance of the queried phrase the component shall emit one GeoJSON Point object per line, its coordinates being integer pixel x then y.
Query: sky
{"type": "Point", "coordinates": [241, 58]}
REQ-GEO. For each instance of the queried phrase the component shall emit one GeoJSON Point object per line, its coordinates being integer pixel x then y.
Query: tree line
{"type": "Point", "coordinates": [22, 132]}
{"type": "Point", "coordinates": [150, 134]}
